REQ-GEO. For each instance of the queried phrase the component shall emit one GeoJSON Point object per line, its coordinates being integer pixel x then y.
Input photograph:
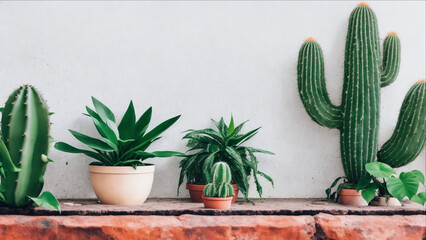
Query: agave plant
{"type": "Point", "coordinates": [224, 144]}
{"type": "Point", "coordinates": [122, 145]}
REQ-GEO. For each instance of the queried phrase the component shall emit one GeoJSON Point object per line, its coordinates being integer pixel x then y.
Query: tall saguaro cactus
{"type": "Point", "coordinates": [357, 118]}
{"type": "Point", "coordinates": [24, 144]}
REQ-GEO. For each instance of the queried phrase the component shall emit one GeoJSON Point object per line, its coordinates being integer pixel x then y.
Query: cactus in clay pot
{"type": "Point", "coordinates": [221, 186]}
{"type": "Point", "coordinates": [24, 145]}
{"type": "Point", "coordinates": [366, 71]}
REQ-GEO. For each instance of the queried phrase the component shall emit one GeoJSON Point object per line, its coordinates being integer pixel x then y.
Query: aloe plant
{"type": "Point", "coordinates": [124, 144]}
{"type": "Point", "coordinates": [24, 145]}
{"type": "Point", "coordinates": [222, 144]}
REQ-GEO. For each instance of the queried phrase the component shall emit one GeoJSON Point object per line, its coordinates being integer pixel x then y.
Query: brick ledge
{"type": "Point", "coordinates": [187, 227]}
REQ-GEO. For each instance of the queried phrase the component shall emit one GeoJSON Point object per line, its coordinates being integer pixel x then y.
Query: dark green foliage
{"type": "Point", "coordinates": [222, 144]}
{"type": "Point", "coordinates": [24, 146]}
{"type": "Point", "coordinates": [122, 145]}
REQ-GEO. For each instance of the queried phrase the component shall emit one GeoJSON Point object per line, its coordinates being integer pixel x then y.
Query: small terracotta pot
{"type": "Point", "coordinates": [352, 197]}
{"type": "Point", "coordinates": [122, 185]}
{"type": "Point", "coordinates": [196, 192]}
{"type": "Point", "coordinates": [217, 203]}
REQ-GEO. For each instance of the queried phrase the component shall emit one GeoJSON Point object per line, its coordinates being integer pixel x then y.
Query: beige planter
{"type": "Point", "coordinates": [122, 185]}
{"type": "Point", "coordinates": [381, 201]}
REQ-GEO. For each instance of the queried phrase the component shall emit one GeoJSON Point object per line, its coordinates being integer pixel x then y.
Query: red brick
{"type": "Point", "coordinates": [350, 227]}
{"type": "Point", "coordinates": [185, 227]}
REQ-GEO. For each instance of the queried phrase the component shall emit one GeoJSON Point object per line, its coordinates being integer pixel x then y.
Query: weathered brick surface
{"type": "Point", "coordinates": [185, 227]}
{"type": "Point", "coordinates": [188, 227]}
{"type": "Point", "coordinates": [352, 227]}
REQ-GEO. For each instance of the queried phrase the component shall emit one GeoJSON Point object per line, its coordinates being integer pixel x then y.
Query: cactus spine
{"type": "Point", "coordinates": [365, 71]}
{"type": "Point", "coordinates": [221, 186]}
{"type": "Point", "coordinates": [23, 147]}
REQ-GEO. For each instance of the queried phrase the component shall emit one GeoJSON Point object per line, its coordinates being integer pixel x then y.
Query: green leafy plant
{"type": "Point", "coordinates": [221, 186]}
{"type": "Point", "coordinates": [24, 145]}
{"type": "Point", "coordinates": [124, 144]}
{"type": "Point", "coordinates": [367, 69]}
{"type": "Point", "coordinates": [222, 144]}
{"type": "Point", "coordinates": [406, 185]}
{"type": "Point", "coordinates": [344, 184]}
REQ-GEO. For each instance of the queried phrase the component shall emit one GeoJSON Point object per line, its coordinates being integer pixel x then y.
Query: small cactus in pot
{"type": "Point", "coordinates": [218, 194]}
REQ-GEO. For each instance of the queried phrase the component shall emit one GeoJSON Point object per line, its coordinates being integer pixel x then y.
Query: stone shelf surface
{"type": "Point", "coordinates": [177, 207]}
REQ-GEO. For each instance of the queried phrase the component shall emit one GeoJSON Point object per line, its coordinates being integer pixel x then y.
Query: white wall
{"type": "Point", "coordinates": [202, 60]}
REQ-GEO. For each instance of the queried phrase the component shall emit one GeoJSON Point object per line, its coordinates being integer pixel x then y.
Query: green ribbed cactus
{"type": "Point", "coordinates": [221, 186]}
{"type": "Point", "coordinates": [409, 136]}
{"type": "Point", "coordinates": [24, 145]}
{"type": "Point", "coordinates": [357, 118]}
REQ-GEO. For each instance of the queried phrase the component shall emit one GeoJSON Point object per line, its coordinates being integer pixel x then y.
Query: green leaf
{"type": "Point", "coordinates": [328, 190]}
{"type": "Point", "coordinates": [231, 127]}
{"type": "Point", "coordinates": [47, 200]}
{"type": "Point", "coordinates": [142, 123]}
{"type": "Point", "coordinates": [363, 183]}
{"type": "Point", "coordinates": [127, 124]}
{"type": "Point", "coordinates": [104, 112]}
{"type": "Point", "coordinates": [259, 150]}
{"type": "Point", "coordinates": [404, 186]}
{"type": "Point", "coordinates": [266, 176]}
{"type": "Point", "coordinates": [207, 166]}
{"type": "Point", "coordinates": [6, 159]}
{"type": "Point", "coordinates": [419, 176]}
{"type": "Point", "coordinates": [160, 154]}
{"type": "Point", "coordinates": [152, 135]}
{"type": "Point", "coordinates": [239, 139]}
{"type": "Point", "coordinates": [370, 192]}
{"type": "Point", "coordinates": [92, 142]}
{"type": "Point", "coordinates": [104, 130]}
{"type": "Point", "coordinates": [379, 169]}
{"type": "Point", "coordinates": [420, 198]}
{"type": "Point", "coordinates": [61, 146]}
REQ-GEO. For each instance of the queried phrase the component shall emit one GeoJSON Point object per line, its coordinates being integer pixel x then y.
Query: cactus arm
{"type": "Point", "coordinates": [312, 86]}
{"type": "Point", "coordinates": [391, 59]}
{"type": "Point", "coordinates": [409, 137]}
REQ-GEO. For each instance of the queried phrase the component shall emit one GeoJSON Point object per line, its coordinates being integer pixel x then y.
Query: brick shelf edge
{"type": "Point", "coordinates": [321, 226]}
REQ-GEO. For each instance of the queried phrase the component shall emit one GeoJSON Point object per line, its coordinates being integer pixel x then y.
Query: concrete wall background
{"type": "Point", "coordinates": [202, 60]}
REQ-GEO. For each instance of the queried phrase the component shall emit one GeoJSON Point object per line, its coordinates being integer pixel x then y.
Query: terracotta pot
{"type": "Point", "coordinates": [122, 185]}
{"type": "Point", "coordinates": [196, 192]}
{"type": "Point", "coordinates": [352, 197]}
{"type": "Point", "coordinates": [381, 201]}
{"type": "Point", "coordinates": [217, 203]}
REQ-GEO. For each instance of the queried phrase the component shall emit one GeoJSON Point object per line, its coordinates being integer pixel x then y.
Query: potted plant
{"type": "Point", "coordinates": [218, 194]}
{"type": "Point", "coordinates": [357, 118]}
{"type": "Point", "coordinates": [119, 174]}
{"type": "Point", "coordinates": [346, 193]}
{"type": "Point", "coordinates": [224, 144]}
{"type": "Point", "coordinates": [24, 145]}
{"type": "Point", "coordinates": [391, 189]}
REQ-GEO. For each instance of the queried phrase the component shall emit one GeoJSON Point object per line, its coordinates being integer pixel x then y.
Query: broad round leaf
{"type": "Point", "coordinates": [420, 198]}
{"type": "Point", "coordinates": [47, 200]}
{"type": "Point", "coordinates": [404, 186]}
{"type": "Point", "coordinates": [379, 169]}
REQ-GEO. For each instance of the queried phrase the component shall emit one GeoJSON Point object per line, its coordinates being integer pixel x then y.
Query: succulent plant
{"type": "Point", "coordinates": [357, 118]}
{"type": "Point", "coordinates": [24, 146]}
{"type": "Point", "coordinates": [124, 144]}
{"type": "Point", "coordinates": [221, 186]}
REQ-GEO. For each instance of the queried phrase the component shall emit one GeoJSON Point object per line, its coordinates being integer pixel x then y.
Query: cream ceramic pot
{"type": "Point", "coordinates": [122, 185]}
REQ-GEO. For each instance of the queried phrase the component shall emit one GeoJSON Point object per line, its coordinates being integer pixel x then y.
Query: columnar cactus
{"type": "Point", "coordinates": [221, 186]}
{"type": "Point", "coordinates": [23, 149]}
{"type": "Point", "coordinates": [357, 118]}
